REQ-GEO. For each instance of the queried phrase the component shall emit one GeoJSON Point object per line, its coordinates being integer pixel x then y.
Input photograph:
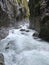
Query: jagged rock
{"type": "Point", "coordinates": [44, 31]}
{"type": "Point", "coordinates": [12, 10]}
{"type": "Point", "coordinates": [1, 59]}
{"type": "Point", "coordinates": [39, 17]}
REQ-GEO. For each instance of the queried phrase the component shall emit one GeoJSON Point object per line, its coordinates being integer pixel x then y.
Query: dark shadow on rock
{"type": "Point", "coordinates": [45, 38]}
{"type": "Point", "coordinates": [2, 59]}
{"type": "Point", "coordinates": [38, 38]}
{"type": "Point", "coordinates": [24, 30]}
{"type": "Point", "coordinates": [35, 35]}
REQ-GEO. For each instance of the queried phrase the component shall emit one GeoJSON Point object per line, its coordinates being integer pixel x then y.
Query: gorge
{"type": "Point", "coordinates": [24, 32]}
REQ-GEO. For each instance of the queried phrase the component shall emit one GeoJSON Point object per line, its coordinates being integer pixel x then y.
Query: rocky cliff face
{"type": "Point", "coordinates": [12, 11]}
{"type": "Point", "coordinates": [39, 17]}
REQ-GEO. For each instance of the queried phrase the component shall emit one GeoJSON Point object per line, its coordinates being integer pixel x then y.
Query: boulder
{"type": "Point", "coordinates": [36, 35]}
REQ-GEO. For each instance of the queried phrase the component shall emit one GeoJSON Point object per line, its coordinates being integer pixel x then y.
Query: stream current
{"type": "Point", "coordinates": [20, 48]}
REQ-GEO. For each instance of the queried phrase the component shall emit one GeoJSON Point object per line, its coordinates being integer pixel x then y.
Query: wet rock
{"type": "Point", "coordinates": [1, 59]}
{"type": "Point", "coordinates": [22, 30]}
{"type": "Point", "coordinates": [6, 48]}
{"type": "Point", "coordinates": [35, 35]}
{"type": "Point", "coordinates": [27, 30]}
{"type": "Point", "coordinates": [10, 45]}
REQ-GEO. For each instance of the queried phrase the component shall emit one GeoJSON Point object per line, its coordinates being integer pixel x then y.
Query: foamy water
{"type": "Point", "coordinates": [20, 48]}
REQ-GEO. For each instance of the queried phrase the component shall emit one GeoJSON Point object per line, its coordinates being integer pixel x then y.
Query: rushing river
{"type": "Point", "coordinates": [20, 48]}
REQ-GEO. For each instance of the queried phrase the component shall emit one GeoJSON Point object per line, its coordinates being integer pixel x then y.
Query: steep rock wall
{"type": "Point", "coordinates": [12, 10]}
{"type": "Point", "coordinates": [39, 17]}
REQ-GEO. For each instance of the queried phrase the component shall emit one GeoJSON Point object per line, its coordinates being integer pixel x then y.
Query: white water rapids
{"type": "Point", "coordinates": [20, 48]}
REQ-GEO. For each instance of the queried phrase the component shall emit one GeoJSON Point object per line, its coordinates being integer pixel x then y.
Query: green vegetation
{"type": "Point", "coordinates": [24, 4]}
